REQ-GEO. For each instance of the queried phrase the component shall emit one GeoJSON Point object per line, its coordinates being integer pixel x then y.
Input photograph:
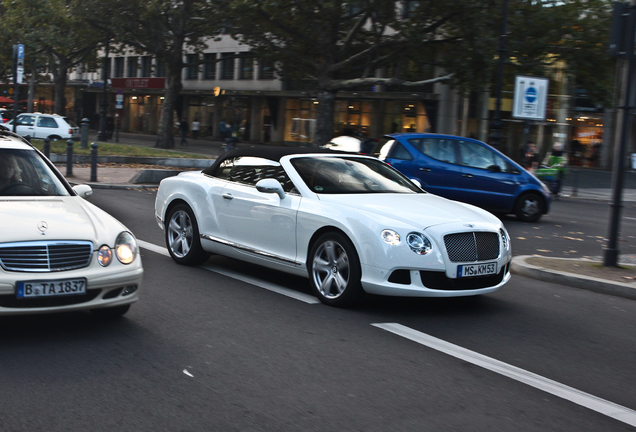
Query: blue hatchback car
{"type": "Point", "coordinates": [467, 170]}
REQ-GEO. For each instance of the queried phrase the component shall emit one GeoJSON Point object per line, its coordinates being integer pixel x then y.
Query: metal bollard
{"type": "Point", "coordinates": [84, 133]}
{"type": "Point", "coordinates": [94, 162]}
{"type": "Point", "coordinates": [69, 158]}
{"type": "Point", "coordinates": [47, 147]}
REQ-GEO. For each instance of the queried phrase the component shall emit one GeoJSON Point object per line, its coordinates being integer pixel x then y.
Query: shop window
{"type": "Point", "coordinates": [300, 120]}
{"type": "Point", "coordinates": [265, 70]}
{"type": "Point", "coordinates": [246, 67]}
{"type": "Point", "coordinates": [192, 68]}
{"type": "Point", "coordinates": [227, 66]}
{"type": "Point", "coordinates": [119, 67]}
{"type": "Point", "coordinates": [209, 66]}
{"type": "Point", "coordinates": [146, 62]}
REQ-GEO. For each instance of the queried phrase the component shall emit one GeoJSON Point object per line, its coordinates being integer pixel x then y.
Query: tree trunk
{"type": "Point", "coordinates": [59, 81]}
{"type": "Point", "coordinates": [324, 117]}
{"type": "Point", "coordinates": [165, 136]}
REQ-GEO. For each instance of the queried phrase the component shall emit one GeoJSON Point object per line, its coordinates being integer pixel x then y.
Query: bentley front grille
{"type": "Point", "coordinates": [472, 246]}
{"type": "Point", "coordinates": [45, 256]}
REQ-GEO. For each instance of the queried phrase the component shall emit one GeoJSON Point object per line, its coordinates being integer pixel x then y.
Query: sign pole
{"type": "Point", "coordinates": [18, 71]}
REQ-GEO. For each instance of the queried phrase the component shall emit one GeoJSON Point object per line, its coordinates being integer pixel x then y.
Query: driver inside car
{"type": "Point", "coordinates": [9, 171]}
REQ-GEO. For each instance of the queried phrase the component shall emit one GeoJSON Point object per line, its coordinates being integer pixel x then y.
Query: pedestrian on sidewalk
{"type": "Point", "coordinates": [183, 127]}
{"type": "Point", "coordinates": [195, 128]}
{"type": "Point", "coordinates": [532, 158]}
{"type": "Point", "coordinates": [558, 160]}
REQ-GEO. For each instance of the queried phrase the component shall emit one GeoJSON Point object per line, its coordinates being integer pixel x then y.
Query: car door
{"type": "Point", "coordinates": [25, 125]}
{"type": "Point", "coordinates": [487, 180]}
{"type": "Point", "coordinates": [257, 222]}
{"type": "Point", "coordinates": [46, 126]}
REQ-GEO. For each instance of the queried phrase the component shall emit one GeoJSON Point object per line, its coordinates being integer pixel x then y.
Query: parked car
{"type": "Point", "coordinates": [353, 144]}
{"type": "Point", "coordinates": [351, 224]}
{"type": "Point", "coordinates": [58, 252]}
{"type": "Point", "coordinates": [40, 126]}
{"type": "Point", "coordinates": [469, 171]}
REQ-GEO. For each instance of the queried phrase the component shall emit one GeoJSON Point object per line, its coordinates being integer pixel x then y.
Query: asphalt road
{"type": "Point", "coordinates": [202, 351]}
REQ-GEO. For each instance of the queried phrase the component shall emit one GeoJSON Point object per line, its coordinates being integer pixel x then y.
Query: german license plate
{"type": "Point", "coordinates": [472, 270]}
{"type": "Point", "coordinates": [58, 287]}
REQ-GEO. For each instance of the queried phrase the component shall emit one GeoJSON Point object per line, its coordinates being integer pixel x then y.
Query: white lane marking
{"type": "Point", "coordinates": [587, 400]}
{"type": "Point", "coordinates": [630, 218]}
{"type": "Point", "coordinates": [262, 284]}
{"type": "Point", "coordinates": [185, 371]}
{"type": "Point", "coordinates": [236, 275]}
{"type": "Point", "coordinates": [153, 247]}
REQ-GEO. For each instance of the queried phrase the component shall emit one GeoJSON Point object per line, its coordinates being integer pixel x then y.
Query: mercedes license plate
{"type": "Point", "coordinates": [472, 270]}
{"type": "Point", "coordinates": [59, 287]}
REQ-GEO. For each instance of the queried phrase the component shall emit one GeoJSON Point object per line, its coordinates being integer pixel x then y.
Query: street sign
{"type": "Point", "coordinates": [19, 59]}
{"type": "Point", "coordinates": [531, 95]}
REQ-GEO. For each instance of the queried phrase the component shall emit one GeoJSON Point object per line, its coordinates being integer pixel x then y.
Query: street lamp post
{"type": "Point", "coordinates": [496, 125]}
{"type": "Point", "coordinates": [102, 134]}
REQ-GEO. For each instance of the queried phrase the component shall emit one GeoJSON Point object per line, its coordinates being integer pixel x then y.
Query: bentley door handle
{"type": "Point", "coordinates": [467, 175]}
{"type": "Point", "coordinates": [228, 196]}
{"type": "Point", "coordinates": [425, 169]}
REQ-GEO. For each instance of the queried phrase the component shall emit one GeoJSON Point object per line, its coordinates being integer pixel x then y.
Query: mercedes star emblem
{"type": "Point", "coordinates": [43, 226]}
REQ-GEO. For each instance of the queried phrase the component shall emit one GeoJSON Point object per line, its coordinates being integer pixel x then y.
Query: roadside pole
{"type": "Point", "coordinates": [610, 257]}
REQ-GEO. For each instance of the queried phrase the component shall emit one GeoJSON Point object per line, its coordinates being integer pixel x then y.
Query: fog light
{"type": "Point", "coordinates": [129, 290]}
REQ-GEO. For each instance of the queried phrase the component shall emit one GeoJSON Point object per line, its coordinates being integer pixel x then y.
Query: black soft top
{"type": "Point", "coordinates": [274, 153]}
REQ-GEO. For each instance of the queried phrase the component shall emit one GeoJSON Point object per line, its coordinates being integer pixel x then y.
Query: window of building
{"type": "Point", "coordinates": [246, 67]}
{"type": "Point", "coordinates": [265, 69]}
{"type": "Point", "coordinates": [119, 67]}
{"type": "Point", "coordinates": [300, 120]}
{"type": "Point", "coordinates": [409, 8]}
{"type": "Point", "coordinates": [160, 69]}
{"type": "Point", "coordinates": [209, 66]}
{"type": "Point", "coordinates": [192, 70]}
{"type": "Point", "coordinates": [227, 66]}
{"type": "Point", "coordinates": [146, 66]}
{"type": "Point", "coordinates": [132, 65]}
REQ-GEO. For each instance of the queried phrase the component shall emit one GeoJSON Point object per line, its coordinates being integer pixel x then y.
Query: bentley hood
{"type": "Point", "coordinates": [420, 210]}
{"type": "Point", "coordinates": [56, 218]}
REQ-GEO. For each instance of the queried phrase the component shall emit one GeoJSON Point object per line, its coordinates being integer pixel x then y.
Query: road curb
{"type": "Point", "coordinates": [521, 267]}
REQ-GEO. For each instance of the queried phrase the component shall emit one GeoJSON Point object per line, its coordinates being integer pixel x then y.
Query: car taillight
{"type": "Point", "coordinates": [70, 131]}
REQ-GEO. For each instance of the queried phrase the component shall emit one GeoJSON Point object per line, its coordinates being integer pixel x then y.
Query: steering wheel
{"type": "Point", "coordinates": [16, 185]}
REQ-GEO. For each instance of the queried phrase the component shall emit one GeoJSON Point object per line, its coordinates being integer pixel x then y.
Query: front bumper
{"type": "Point", "coordinates": [106, 287]}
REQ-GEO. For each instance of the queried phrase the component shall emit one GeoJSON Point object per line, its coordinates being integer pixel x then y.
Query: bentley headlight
{"type": "Point", "coordinates": [126, 248]}
{"type": "Point", "coordinates": [104, 256]}
{"type": "Point", "coordinates": [419, 243]}
{"type": "Point", "coordinates": [390, 237]}
{"type": "Point", "coordinates": [505, 239]}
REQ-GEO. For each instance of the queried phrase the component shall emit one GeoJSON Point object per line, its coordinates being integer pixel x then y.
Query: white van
{"type": "Point", "coordinates": [40, 126]}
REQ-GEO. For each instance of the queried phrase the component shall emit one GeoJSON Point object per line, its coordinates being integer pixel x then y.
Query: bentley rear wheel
{"type": "Point", "coordinates": [182, 236]}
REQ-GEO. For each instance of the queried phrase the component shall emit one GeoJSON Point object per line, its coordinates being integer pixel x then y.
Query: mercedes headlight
{"type": "Point", "coordinates": [419, 243]}
{"type": "Point", "coordinates": [126, 248]}
{"type": "Point", "coordinates": [104, 256]}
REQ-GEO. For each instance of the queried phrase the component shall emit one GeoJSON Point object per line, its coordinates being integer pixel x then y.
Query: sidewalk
{"type": "Point", "coordinates": [579, 273]}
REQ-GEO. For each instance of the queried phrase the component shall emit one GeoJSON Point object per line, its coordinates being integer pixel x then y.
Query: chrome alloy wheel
{"type": "Point", "coordinates": [331, 269]}
{"type": "Point", "coordinates": [180, 233]}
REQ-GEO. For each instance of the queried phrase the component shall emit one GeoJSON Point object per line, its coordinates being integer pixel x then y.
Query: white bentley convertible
{"type": "Point", "coordinates": [352, 224]}
{"type": "Point", "coordinates": [58, 252]}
